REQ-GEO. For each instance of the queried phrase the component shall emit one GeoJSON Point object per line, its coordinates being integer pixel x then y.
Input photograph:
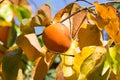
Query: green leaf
{"type": "Point", "coordinates": [93, 61]}
{"type": "Point", "coordinates": [11, 36]}
{"type": "Point", "coordinates": [11, 63]}
{"type": "Point", "coordinates": [114, 64]}
{"type": "Point", "coordinates": [25, 13]}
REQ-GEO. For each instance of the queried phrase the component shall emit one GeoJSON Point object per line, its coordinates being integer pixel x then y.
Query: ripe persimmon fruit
{"type": "Point", "coordinates": [56, 37]}
{"type": "Point", "coordinates": [4, 34]}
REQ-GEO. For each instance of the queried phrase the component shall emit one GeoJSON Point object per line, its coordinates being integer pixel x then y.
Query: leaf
{"type": "Point", "coordinates": [11, 36]}
{"type": "Point", "coordinates": [25, 13]}
{"type": "Point", "coordinates": [30, 45]}
{"type": "Point", "coordinates": [2, 52]}
{"type": "Point", "coordinates": [107, 20]}
{"type": "Point", "coordinates": [59, 74]}
{"type": "Point", "coordinates": [89, 35]}
{"type": "Point", "coordinates": [3, 23]}
{"type": "Point", "coordinates": [42, 66]}
{"type": "Point", "coordinates": [67, 70]}
{"type": "Point", "coordinates": [79, 58]}
{"type": "Point", "coordinates": [74, 22]}
{"type": "Point", "coordinates": [96, 74]}
{"type": "Point", "coordinates": [114, 64]}
{"type": "Point", "coordinates": [22, 9]}
{"type": "Point", "coordinates": [20, 75]}
{"type": "Point", "coordinates": [6, 11]}
{"type": "Point", "coordinates": [26, 27]}
{"type": "Point", "coordinates": [114, 76]}
{"type": "Point", "coordinates": [43, 16]}
{"type": "Point", "coordinates": [11, 63]}
{"type": "Point", "coordinates": [93, 61]}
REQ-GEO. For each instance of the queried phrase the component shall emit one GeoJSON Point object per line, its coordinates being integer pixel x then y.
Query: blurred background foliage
{"type": "Point", "coordinates": [13, 14]}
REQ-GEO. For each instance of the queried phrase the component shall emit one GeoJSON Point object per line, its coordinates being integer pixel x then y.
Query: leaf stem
{"type": "Point", "coordinates": [39, 34]}
{"type": "Point", "coordinates": [67, 55]}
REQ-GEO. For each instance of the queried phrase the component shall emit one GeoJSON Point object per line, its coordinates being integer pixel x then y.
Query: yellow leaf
{"type": "Point", "coordinates": [79, 58]}
{"type": "Point", "coordinates": [30, 45]}
{"type": "Point", "coordinates": [67, 62]}
{"type": "Point", "coordinates": [26, 27]}
{"type": "Point", "coordinates": [42, 66]}
{"type": "Point", "coordinates": [89, 35]}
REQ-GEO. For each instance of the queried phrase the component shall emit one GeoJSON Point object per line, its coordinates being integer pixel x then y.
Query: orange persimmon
{"type": "Point", "coordinates": [56, 37]}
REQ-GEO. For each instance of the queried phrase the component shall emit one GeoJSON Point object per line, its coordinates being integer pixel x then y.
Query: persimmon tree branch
{"type": "Point", "coordinates": [85, 1]}
{"type": "Point", "coordinates": [87, 8]}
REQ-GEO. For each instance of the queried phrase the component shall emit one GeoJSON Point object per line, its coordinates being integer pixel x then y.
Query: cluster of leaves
{"type": "Point", "coordinates": [89, 56]}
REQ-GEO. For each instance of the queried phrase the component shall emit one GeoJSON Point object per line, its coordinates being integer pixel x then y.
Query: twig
{"type": "Point", "coordinates": [73, 14]}
{"type": "Point", "coordinates": [61, 53]}
{"type": "Point", "coordinates": [39, 34]}
{"type": "Point", "coordinates": [85, 1]}
{"type": "Point", "coordinates": [86, 8]}
{"type": "Point", "coordinates": [79, 27]}
{"type": "Point", "coordinates": [67, 55]}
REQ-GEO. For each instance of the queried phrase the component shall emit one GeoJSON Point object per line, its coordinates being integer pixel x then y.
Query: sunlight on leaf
{"type": "Point", "coordinates": [93, 61]}
{"type": "Point", "coordinates": [6, 11]}
{"type": "Point", "coordinates": [42, 66]}
{"type": "Point", "coordinates": [67, 64]}
{"type": "Point", "coordinates": [30, 45]}
{"type": "Point", "coordinates": [79, 58]}
{"type": "Point", "coordinates": [43, 16]}
{"type": "Point", "coordinates": [26, 27]}
{"type": "Point", "coordinates": [20, 75]}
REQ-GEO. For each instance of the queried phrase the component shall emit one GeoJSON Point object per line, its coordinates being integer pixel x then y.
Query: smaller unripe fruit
{"type": "Point", "coordinates": [56, 37]}
{"type": "Point", "coordinates": [4, 34]}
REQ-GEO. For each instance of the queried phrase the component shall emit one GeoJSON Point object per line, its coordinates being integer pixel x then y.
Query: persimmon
{"type": "Point", "coordinates": [4, 34]}
{"type": "Point", "coordinates": [56, 37]}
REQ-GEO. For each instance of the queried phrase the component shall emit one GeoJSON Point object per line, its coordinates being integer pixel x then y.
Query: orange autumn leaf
{"type": "Point", "coordinates": [42, 66]}
{"type": "Point", "coordinates": [30, 45]}
{"type": "Point", "coordinates": [89, 35]}
{"type": "Point", "coordinates": [43, 16]}
{"type": "Point", "coordinates": [107, 20]}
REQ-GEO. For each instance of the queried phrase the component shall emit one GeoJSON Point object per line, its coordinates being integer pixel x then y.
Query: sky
{"type": "Point", "coordinates": [55, 5]}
